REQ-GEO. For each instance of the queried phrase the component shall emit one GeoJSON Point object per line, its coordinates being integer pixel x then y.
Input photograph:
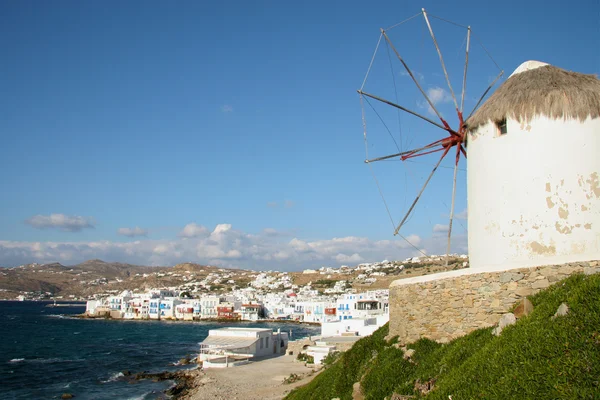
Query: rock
{"type": "Point", "coordinates": [67, 396]}
{"type": "Point", "coordinates": [563, 310]}
{"type": "Point", "coordinates": [593, 263]}
{"type": "Point", "coordinates": [591, 270]}
{"type": "Point", "coordinates": [357, 392]}
{"type": "Point", "coordinates": [126, 372]}
{"type": "Point", "coordinates": [524, 308]}
{"type": "Point", "coordinates": [505, 277]}
{"type": "Point", "coordinates": [184, 361]}
{"type": "Point", "coordinates": [524, 291]}
{"type": "Point", "coordinates": [541, 284]}
{"type": "Point", "coordinates": [408, 354]}
{"type": "Point", "coordinates": [506, 320]}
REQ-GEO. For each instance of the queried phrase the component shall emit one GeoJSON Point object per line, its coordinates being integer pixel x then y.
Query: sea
{"type": "Point", "coordinates": [47, 351]}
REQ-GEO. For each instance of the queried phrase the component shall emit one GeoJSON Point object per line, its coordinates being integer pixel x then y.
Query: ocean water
{"type": "Point", "coordinates": [45, 352]}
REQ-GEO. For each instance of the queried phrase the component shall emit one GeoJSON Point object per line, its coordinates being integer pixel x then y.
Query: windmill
{"type": "Point", "coordinates": [453, 144]}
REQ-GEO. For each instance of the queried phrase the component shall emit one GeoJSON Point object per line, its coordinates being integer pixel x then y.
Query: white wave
{"type": "Point", "coordinates": [114, 377]}
{"type": "Point", "coordinates": [44, 360]}
{"type": "Point", "coordinates": [60, 316]}
{"type": "Point", "coordinates": [141, 397]}
{"type": "Point", "coordinates": [76, 333]}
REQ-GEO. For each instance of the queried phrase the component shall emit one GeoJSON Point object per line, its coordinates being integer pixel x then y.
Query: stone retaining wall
{"type": "Point", "coordinates": [450, 307]}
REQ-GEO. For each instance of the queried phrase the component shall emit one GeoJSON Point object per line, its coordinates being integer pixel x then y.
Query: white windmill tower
{"type": "Point", "coordinates": [534, 165]}
{"type": "Point", "coordinates": [534, 173]}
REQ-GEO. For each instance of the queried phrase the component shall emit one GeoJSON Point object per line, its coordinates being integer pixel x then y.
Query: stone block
{"type": "Point", "coordinates": [541, 284]}
{"type": "Point", "coordinates": [591, 270]}
{"type": "Point", "coordinates": [563, 310]}
{"type": "Point", "coordinates": [524, 291]}
{"type": "Point", "coordinates": [512, 286]}
{"type": "Point", "coordinates": [505, 277]}
{"type": "Point", "coordinates": [495, 303]}
{"type": "Point", "coordinates": [524, 308]}
{"type": "Point", "coordinates": [506, 320]}
{"type": "Point", "coordinates": [517, 276]}
{"type": "Point", "coordinates": [593, 263]}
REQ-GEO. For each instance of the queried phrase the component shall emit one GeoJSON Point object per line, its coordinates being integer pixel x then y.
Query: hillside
{"type": "Point", "coordinates": [538, 357]}
{"type": "Point", "coordinates": [84, 280]}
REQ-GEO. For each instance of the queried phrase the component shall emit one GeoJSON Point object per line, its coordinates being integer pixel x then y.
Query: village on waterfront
{"type": "Point", "coordinates": [327, 299]}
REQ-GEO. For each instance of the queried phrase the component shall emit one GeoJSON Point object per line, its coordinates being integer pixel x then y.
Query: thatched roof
{"type": "Point", "coordinates": [546, 90]}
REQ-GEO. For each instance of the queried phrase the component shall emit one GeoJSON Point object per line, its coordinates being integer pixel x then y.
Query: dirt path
{"type": "Point", "coordinates": [259, 380]}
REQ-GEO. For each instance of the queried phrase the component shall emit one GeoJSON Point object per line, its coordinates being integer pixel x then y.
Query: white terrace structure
{"type": "Point", "coordinates": [229, 347]}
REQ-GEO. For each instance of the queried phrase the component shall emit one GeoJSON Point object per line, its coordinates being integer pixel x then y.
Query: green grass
{"type": "Point", "coordinates": [536, 358]}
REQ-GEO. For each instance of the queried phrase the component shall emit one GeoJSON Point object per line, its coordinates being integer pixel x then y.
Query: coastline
{"type": "Point", "coordinates": [212, 320]}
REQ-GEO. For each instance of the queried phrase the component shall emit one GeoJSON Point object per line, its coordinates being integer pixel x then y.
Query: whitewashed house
{"type": "Point", "coordinates": [364, 326]}
{"type": "Point", "coordinates": [185, 310]}
{"type": "Point", "coordinates": [167, 307]}
{"type": "Point", "coordinates": [251, 312]}
{"type": "Point", "coordinates": [209, 306]}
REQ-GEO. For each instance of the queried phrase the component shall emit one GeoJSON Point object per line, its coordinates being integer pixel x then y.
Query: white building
{"type": "Point", "coordinates": [533, 173]}
{"type": "Point", "coordinates": [208, 306]}
{"type": "Point", "coordinates": [355, 326]}
{"type": "Point", "coordinates": [185, 310]}
{"type": "Point", "coordinates": [228, 347]}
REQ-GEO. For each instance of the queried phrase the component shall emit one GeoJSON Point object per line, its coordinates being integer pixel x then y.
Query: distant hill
{"type": "Point", "coordinates": [42, 281]}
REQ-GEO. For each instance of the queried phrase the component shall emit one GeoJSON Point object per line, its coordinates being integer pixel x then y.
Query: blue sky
{"type": "Point", "coordinates": [124, 123]}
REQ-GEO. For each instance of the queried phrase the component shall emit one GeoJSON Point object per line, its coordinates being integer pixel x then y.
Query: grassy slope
{"type": "Point", "coordinates": [536, 358]}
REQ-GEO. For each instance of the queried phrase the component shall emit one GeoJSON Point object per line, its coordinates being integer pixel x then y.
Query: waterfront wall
{"type": "Point", "coordinates": [445, 306]}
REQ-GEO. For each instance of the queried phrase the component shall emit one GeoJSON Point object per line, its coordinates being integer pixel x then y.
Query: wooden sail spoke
{"type": "Point", "coordinates": [414, 203]}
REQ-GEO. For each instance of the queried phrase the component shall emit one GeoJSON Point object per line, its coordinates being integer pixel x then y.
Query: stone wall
{"type": "Point", "coordinates": [446, 307]}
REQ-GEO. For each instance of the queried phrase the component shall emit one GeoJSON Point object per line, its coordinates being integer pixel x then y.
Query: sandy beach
{"type": "Point", "coordinates": [262, 379]}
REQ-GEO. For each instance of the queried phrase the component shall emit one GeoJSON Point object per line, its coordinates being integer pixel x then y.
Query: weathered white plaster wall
{"type": "Point", "coordinates": [534, 193]}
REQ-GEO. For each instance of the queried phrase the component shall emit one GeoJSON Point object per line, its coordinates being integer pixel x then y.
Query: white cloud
{"type": "Point", "coordinates": [68, 223]}
{"type": "Point", "coordinates": [289, 204]}
{"type": "Point", "coordinates": [221, 228]}
{"type": "Point", "coordinates": [343, 258]}
{"type": "Point", "coordinates": [272, 204]}
{"type": "Point", "coordinates": [440, 228]}
{"type": "Point", "coordinates": [132, 232]}
{"type": "Point", "coordinates": [224, 246]}
{"type": "Point", "coordinates": [438, 96]}
{"type": "Point", "coordinates": [226, 108]}
{"type": "Point", "coordinates": [192, 230]}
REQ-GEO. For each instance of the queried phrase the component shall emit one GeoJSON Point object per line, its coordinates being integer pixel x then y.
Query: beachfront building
{"type": "Point", "coordinates": [209, 306]}
{"type": "Point", "coordinates": [251, 312]}
{"type": "Point", "coordinates": [97, 308]}
{"type": "Point", "coordinates": [533, 176]}
{"type": "Point", "coordinates": [167, 307]}
{"type": "Point", "coordinates": [153, 308]}
{"type": "Point", "coordinates": [226, 310]}
{"type": "Point", "coordinates": [228, 347]}
{"type": "Point", "coordinates": [185, 310]}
